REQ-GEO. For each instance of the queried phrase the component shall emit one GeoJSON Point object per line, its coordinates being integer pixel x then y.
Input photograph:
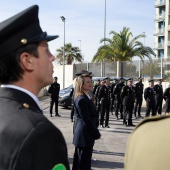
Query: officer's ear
{"type": "Point", "coordinates": [26, 61]}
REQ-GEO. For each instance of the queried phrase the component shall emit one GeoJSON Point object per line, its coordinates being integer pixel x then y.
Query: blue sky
{"type": "Point", "coordinates": [85, 20]}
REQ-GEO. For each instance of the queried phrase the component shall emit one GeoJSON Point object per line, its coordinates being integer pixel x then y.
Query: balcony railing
{"type": "Point", "coordinates": [159, 3]}
{"type": "Point", "coordinates": [160, 31]}
{"type": "Point", "coordinates": [160, 17]}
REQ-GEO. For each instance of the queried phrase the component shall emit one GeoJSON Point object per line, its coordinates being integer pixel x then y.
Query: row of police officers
{"type": "Point", "coordinates": [127, 99]}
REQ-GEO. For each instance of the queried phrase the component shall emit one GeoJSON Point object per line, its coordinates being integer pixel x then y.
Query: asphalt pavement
{"type": "Point", "coordinates": [108, 151]}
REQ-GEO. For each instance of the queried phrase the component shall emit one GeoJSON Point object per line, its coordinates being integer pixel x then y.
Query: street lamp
{"type": "Point", "coordinates": [144, 38]}
{"type": "Point", "coordinates": [80, 45]}
{"type": "Point", "coordinates": [104, 36]}
{"type": "Point", "coordinates": [63, 19]}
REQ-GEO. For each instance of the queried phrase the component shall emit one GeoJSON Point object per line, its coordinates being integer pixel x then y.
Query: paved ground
{"type": "Point", "coordinates": [108, 151]}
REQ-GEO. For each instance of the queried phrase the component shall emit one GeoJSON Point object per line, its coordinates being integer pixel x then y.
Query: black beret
{"type": "Point", "coordinates": [55, 78]}
{"type": "Point", "coordinates": [83, 72]}
{"type": "Point", "coordinates": [151, 80]}
{"type": "Point", "coordinates": [159, 79]}
{"type": "Point", "coordinates": [21, 29]}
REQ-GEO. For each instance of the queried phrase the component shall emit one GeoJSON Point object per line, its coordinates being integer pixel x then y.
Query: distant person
{"type": "Point", "coordinates": [86, 123]}
{"type": "Point", "coordinates": [112, 104]}
{"type": "Point", "coordinates": [159, 97]}
{"type": "Point", "coordinates": [127, 96]}
{"type": "Point", "coordinates": [118, 102]}
{"type": "Point", "coordinates": [166, 96]}
{"type": "Point", "coordinates": [138, 97]}
{"type": "Point", "coordinates": [94, 91]}
{"type": "Point", "coordinates": [149, 95]}
{"type": "Point", "coordinates": [54, 90]}
{"type": "Point", "coordinates": [28, 140]}
{"type": "Point", "coordinates": [104, 98]}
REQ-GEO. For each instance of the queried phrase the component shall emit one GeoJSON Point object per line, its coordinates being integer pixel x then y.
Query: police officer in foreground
{"type": "Point", "coordinates": [149, 95]}
{"type": "Point", "coordinates": [118, 102]}
{"type": "Point", "coordinates": [104, 98]}
{"type": "Point", "coordinates": [112, 104]}
{"type": "Point", "coordinates": [166, 96]}
{"type": "Point", "coordinates": [54, 90]}
{"type": "Point", "coordinates": [128, 98]}
{"type": "Point", "coordinates": [138, 97]}
{"type": "Point", "coordinates": [28, 140]}
{"type": "Point", "coordinates": [159, 97]}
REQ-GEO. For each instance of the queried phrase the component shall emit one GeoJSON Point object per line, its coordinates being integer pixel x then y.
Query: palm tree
{"type": "Point", "coordinates": [122, 48]}
{"type": "Point", "coordinates": [72, 54]}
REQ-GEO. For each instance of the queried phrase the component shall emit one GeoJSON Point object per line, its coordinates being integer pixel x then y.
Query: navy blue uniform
{"type": "Point", "coordinates": [159, 98]}
{"type": "Point", "coordinates": [31, 142]}
{"type": "Point", "coordinates": [128, 99]}
{"type": "Point", "coordinates": [149, 95]}
{"type": "Point", "coordinates": [54, 90]}
{"type": "Point", "coordinates": [118, 102]}
{"type": "Point", "coordinates": [112, 97]}
{"type": "Point", "coordinates": [166, 96]}
{"type": "Point", "coordinates": [138, 98]}
{"type": "Point", "coordinates": [104, 98]}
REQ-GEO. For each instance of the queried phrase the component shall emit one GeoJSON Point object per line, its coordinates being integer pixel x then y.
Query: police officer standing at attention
{"type": "Point", "coordinates": [94, 91]}
{"type": "Point", "coordinates": [166, 96]}
{"type": "Point", "coordinates": [104, 98]}
{"type": "Point", "coordinates": [128, 99]}
{"type": "Point", "coordinates": [112, 95]}
{"type": "Point", "coordinates": [28, 140]}
{"type": "Point", "coordinates": [138, 97]}
{"type": "Point", "coordinates": [159, 97]}
{"type": "Point", "coordinates": [54, 90]}
{"type": "Point", "coordinates": [149, 95]}
{"type": "Point", "coordinates": [118, 102]}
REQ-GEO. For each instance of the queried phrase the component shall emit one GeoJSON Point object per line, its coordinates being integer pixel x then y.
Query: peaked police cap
{"type": "Point", "coordinates": [21, 29]}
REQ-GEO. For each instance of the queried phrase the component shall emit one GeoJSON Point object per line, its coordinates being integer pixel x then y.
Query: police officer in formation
{"type": "Point", "coordinates": [94, 91]}
{"type": "Point", "coordinates": [128, 99]}
{"type": "Point", "coordinates": [112, 95]}
{"type": "Point", "coordinates": [102, 82]}
{"type": "Point", "coordinates": [54, 91]}
{"type": "Point", "coordinates": [159, 96]}
{"type": "Point", "coordinates": [138, 97]}
{"type": "Point", "coordinates": [118, 101]}
{"type": "Point", "coordinates": [104, 98]}
{"type": "Point", "coordinates": [149, 95]}
{"type": "Point", "coordinates": [166, 96]}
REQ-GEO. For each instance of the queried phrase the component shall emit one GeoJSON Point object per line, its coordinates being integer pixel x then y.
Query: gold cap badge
{"type": "Point", "coordinates": [24, 41]}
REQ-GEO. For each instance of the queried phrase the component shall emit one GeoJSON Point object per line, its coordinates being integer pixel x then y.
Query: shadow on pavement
{"type": "Point", "coordinates": [108, 153]}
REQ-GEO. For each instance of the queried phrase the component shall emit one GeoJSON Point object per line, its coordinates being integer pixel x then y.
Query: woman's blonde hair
{"type": "Point", "coordinates": [79, 85]}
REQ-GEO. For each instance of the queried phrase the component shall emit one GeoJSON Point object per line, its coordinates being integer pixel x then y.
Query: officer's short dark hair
{"type": "Point", "coordinates": [10, 68]}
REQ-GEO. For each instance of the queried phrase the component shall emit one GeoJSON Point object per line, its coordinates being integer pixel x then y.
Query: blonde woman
{"type": "Point", "coordinates": [86, 123]}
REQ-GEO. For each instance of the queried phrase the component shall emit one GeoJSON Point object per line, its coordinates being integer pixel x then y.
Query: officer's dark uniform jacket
{"type": "Point", "coordinates": [54, 90]}
{"type": "Point", "coordinates": [117, 90]}
{"type": "Point", "coordinates": [149, 95]}
{"type": "Point", "coordinates": [128, 95]}
{"type": "Point", "coordinates": [28, 140]}
{"type": "Point", "coordinates": [159, 90]}
{"type": "Point", "coordinates": [166, 96]}
{"type": "Point", "coordinates": [139, 90]}
{"type": "Point", "coordinates": [104, 93]}
{"type": "Point", "coordinates": [86, 122]}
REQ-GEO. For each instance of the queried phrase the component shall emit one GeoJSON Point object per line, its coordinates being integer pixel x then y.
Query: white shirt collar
{"type": "Point", "coordinates": [23, 90]}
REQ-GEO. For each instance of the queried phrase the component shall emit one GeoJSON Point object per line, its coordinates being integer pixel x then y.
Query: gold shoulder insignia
{"type": "Point", "coordinates": [26, 105]}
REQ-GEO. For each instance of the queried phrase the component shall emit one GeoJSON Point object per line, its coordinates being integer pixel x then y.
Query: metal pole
{"type": "Point", "coordinates": [63, 19]}
{"type": "Point", "coordinates": [104, 37]}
